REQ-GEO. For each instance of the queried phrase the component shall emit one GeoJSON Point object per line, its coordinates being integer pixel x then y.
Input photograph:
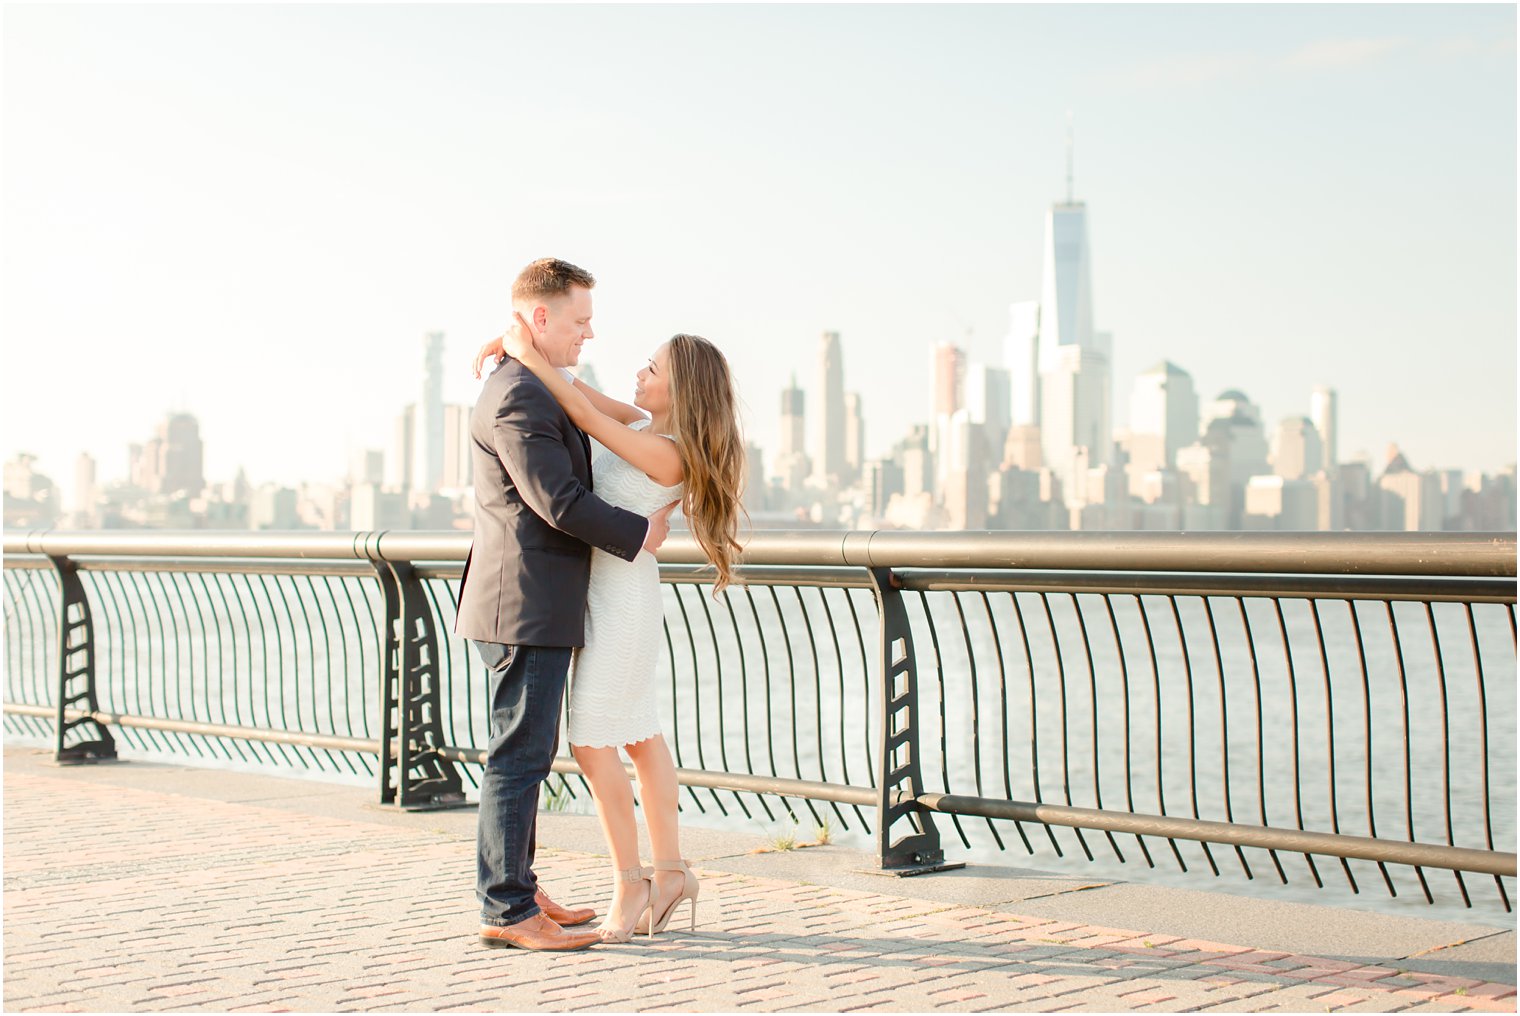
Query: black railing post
{"type": "Point", "coordinates": [413, 774]}
{"type": "Point", "coordinates": [900, 781]}
{"type": "Point", "coordinates": [76, 673]}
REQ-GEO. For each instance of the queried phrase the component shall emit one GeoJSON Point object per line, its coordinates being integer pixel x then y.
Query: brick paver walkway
{"type": "Point", "coordinates": [120, 898]}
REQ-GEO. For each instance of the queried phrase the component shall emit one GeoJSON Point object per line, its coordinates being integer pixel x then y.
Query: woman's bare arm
{"type": "Point", "coordinates": [655, 455]}
{"type": "Point", "coordinates": [622, 412]}
{"type": "Point", "coordinates": [619, 411]}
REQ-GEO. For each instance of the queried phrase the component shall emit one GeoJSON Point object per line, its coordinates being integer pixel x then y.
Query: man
{"type": "Point", "coordinates": [523, 597]}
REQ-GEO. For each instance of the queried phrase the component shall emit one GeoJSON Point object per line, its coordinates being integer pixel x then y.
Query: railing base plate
{"type": "Point", "coordinates": [443, 802]}
{"type": "Point", "coordinates": [85, 759]}
{"type": "Point", "coordinates": [909, 870]}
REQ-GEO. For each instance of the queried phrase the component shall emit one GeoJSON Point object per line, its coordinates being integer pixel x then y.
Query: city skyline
{"type": "Point", "coordinates": [265, 253]}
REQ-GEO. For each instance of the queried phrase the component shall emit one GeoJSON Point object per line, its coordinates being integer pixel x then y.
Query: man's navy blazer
{"type": "Point", "coordinates": [536, 518]}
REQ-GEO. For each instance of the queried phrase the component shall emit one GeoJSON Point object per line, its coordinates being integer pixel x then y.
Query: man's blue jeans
{"type": "Point", "coordinates": [527, 691]}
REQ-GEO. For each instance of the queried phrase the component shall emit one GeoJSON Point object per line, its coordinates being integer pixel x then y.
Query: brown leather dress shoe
{"type": "Point", "coordinates": [565, 917]}
{"type": "Point", "coordinates": [538, 932]}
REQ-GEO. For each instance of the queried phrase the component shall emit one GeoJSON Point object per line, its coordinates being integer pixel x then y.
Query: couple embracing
{"type": "Point", "coordinates": [561, 585]}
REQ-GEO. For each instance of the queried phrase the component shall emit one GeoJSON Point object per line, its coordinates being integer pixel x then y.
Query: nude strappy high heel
{"type": "Point", "coordinates": [688, 892]}
{"type": "Point", "coordinates": [642, 919]}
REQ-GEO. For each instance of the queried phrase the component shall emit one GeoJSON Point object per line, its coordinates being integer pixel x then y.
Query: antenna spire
{"type": "Point", "coordinates": [1069, 157]}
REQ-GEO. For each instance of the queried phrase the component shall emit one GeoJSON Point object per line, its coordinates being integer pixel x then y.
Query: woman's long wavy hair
{"type": "Point", "coordinates": [704, 419]}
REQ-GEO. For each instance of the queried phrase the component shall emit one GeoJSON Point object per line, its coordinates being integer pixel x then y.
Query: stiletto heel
{"type": "Point", "coordinates": [642, 918]}
{"type": "Point", "coordinates": [661, 917]}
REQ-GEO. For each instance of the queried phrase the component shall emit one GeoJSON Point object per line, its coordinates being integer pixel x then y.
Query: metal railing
{"type": "Point", "coordinates": [1204, 701]}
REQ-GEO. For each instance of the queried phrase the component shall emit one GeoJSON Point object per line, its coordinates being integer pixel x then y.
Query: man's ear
{"type": "Point", "coordinates": [540, 318]}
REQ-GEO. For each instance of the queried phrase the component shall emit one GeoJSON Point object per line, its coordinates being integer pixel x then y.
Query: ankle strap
{"type": "Point", "coordinates": [633, 874]}
{"type": "Point", "coordinates": [671, 866]}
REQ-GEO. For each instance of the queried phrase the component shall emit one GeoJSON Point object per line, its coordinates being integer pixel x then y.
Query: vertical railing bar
{"type": "Point", "coordinates": [365, 645]}
{"type": "Point", "coordinates": [445, 672]}
{"type": "Point", "coordinates": [327, 670]}
{"type": "Point", "coordinates": [765, 668]}
{"type": "Point", "coordinates": [818, 695]}
{"type": "Point", "coordinates": [1092, 689]}
{"type": "Point", "coordinates": [23, 595]}
{"type": "Point", "coordinates": [1261, 757]}
{"type": "Point", "coordinates": [152, 737]}
{"type": "Point", "coordinates": [463, 660]}
{"type": "Point", "coordinates": [270, 751]}
{"type": "Point", "coordinates": [274, 618]}
{"type": "Point", "coordinates": [192, 580]}
{"type": "Point", "coordinates": [279, 653]}
{"type": "Point", "coordinates": [344, 670]}
{"type": "Point", "coordinates": [1298, 810]}
{"type": "Point", "coordinates": [997, 645]}
{"type": "Point", "coordinates": [229, 744]}
{"type": "Point", "coordinates": [791, 682]}
{"type": "Point", "coordinates": [196, 742]}
{"type": "Point", "coordinates": [844, 759]}
{"type": "Point", "coordinates": [1150, 646]}
{"type": "Point", "coordinates": [1034, 714]}
{"type": "Point", "coordinates": [1324, 662]}
{"type": "Point", "coordinates": [310, 759]}
{"type": "Point", "coordinates": [749, 761]}
{"type": "Point", "coordinates": [147, 596]}
{"type": "Point", "coordinates": [1055, 642]}
{"type": "Point", "coordinates": [30, 600]}
{"type": "Point", "coordinates": [976, 712]}
{"type": "Point", "coordinates": [696, 684]}
{"type": "Point", "coordinates": [114, 639]}
{"type": "Point", "coordinates": [327, 657]}
{"type": "Point", "coordinates": [675, 705]}
{"type": "Point", "coordinates": [944, 740]}
{"type": "Point", "coordinates": [712, 632]}
{"type": "Point", "coordinates": [1224, 728]}
{"type": "Point", "coordinates": [1435, 640]}
{"type": "Point", "coordinates": [1398, 656]}
{"type": "Point", "coordinates": [1192, 764]}
{"type": "Point", "coordinates": [1488, 823]}
{"type": "Point", "coordinates": [1361, 655]}
{"type": "Point", "coordinates": [1124, 683]}
{"type": "Point", "coordinates": [865, 685]}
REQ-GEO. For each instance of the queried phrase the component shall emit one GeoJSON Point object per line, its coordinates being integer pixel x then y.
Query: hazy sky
{"type": "Point", "coordinates": [254, 212]}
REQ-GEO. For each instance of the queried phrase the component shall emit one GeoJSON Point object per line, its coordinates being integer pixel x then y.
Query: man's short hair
{"type": "Point", "coordinates": [548, 277]}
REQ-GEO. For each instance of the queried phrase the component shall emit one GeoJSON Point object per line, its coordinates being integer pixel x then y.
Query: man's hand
{"type": "Point", "coordinates": [659, 527]}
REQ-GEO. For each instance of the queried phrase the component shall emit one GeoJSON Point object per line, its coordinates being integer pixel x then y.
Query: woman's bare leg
{"type": "Point", "coordinates": [657, 793]}
{"type": "Point", "coordinates": [613, 794]}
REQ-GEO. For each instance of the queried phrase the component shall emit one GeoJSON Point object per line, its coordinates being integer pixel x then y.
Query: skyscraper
{"type": "Point", "coordinates": [854, 435]}
{"type": "Point", "coordinates": [829, 453]}
{"type": "Point", "coordinates": [399, 464]}
{"type": "Point", "coordinates": [949, 378]}
{"type": "Point", "coordinates": [987, 402]}
{"type": "Point", "coordinates": [792, 464]}
{"type": "Point", "coordinates": [1296, 449]}
{"type": "Point", "coordinates": [428, 447]}
{"type": "Point", "coordinates": [1075, 385]}
{"type": "Point", "coordinates": [1322, 410]}
{"type": "Point", "coordinates": [1021, 352]}
{"type": "Point", "coordinates": [182, 468]}
{"type": "Point", "coordinates": [1163, 418]}
{"type": "Point", "coordinates": [457, 472]}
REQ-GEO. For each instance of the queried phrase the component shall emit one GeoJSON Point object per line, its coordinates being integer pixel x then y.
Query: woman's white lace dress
{"type": "Point", "coordinates": [612, 694]}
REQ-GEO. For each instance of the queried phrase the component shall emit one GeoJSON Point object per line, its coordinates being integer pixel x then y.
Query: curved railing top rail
{"type": "Point", "coordinates": [1486, 555]}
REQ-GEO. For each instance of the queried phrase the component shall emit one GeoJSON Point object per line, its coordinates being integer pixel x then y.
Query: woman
{"type": "Point", "coordinates": [687, 448]}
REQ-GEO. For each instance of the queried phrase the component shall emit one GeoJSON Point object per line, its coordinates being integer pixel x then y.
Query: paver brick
{"type": "Point", "coordinates": [268, 921]}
